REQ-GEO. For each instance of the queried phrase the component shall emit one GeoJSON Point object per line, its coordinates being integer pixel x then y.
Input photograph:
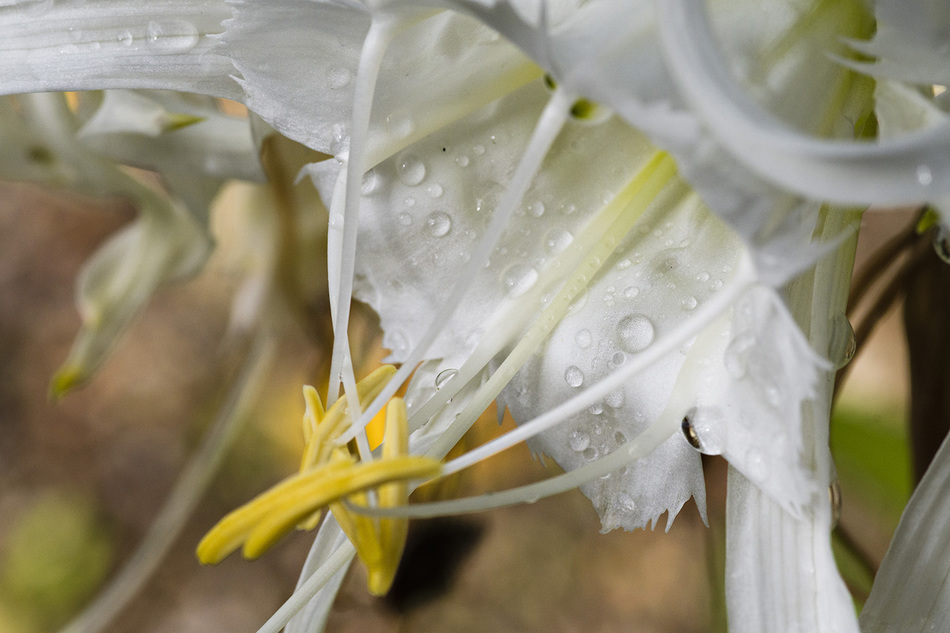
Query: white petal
{"type": "Point", "coordinates": [168, 133]}
{"type": "Point", "coordinates": [911, 592]}
{"type": "Point", "coordinates": [434, 72]}
{"type": "Point", "coordinates": [780, 572]}
{"type": "Point", "coordinates": [425, 208]}
{"type": "Point", "coordinates": [678, 256]}
{"type": "Point", "coordinates": [95, 44]}
{"type": "Point", "coordinates": [165, 243]}
{"type": "Point", "coordinates": [749, 402]}
{"type": "Point", "coordinates": [911, 169]}
{"type": "Point", "coordinates": [910, 42]}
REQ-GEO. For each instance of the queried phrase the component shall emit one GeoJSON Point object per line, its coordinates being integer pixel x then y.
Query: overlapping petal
{"type": "Point", "coordinates": [46, 45]}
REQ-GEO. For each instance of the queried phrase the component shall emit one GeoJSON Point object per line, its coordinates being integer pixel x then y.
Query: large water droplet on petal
{"type": "Point", "coordinates": [704, 428]}
{"type": "Point", "coordinates": [842, 346]}
{"type": "Point", "coordinates": [438, 224]}
{"type": "Point", "coordinates": [444, 376]}
{"type": "Point", "coordinates": [410, 170]}
{"type": "Point", "coordinates": [556, 240]}
{"type": "Point", "coordinates": [171, 36]}
{"type": "Point", "coordinates": [636, 332]}
{"type": "Point", "coordinates": [578, 441]}
{"type": "Point", "coordinates": [573, 376]}
{"type": "Point", "coordinates": [518, 279]}
{"type": "Point", "coordinates": [371, 183]}
{"type": "Point", "coordinates": [400, 124]}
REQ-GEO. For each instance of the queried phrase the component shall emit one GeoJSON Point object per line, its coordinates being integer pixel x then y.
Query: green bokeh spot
{"type": "Point", "coordinates": [56, 556]}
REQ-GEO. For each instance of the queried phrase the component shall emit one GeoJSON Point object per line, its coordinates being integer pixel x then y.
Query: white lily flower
{"type": "Point", "coordinates": [531, 240]}
{"type": "Point", "coordinates": [418, 196]}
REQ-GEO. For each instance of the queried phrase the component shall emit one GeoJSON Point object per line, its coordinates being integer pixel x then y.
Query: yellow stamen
{"type": "Point", "coordinates": [319, 432]}
{"type": "Point", "coordinates": [328, 475]}
{"type": "Point", "coordinates": [262, 522]}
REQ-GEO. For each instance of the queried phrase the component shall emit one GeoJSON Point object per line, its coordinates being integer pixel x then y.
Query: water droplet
{"type": "Point", "coordinates": [125, 38]}
{"type": "Point", "coordinates": [409, 201]}
{"type": "Point", "coordinates": [590, 453]}
{"type": "Point", "coordinates": [596, 409]}
{"type": "Point", "coordinates": [371, 183]}
{"type": "Point", "coordinates": [438, 224]}
{"type": "Point", "coordinates": [689, 432]}
{"type": "Point", "coordinates": [435, 190]}
{"type": "Point", "coordinates": [536, 209]}
{"type": "Point", "coordinates": [171, 36]}
{"type": "Point", "coordinates": [479, 150]}
{"type": "Point", "coordinates": [556, 240]}
{"type": "Point", "coordinates": [618, 359]}
{"type": "Point", "coordinates": [834, 497]}
{"type": "Point", "coordinates": [462, 160]}
{"type": "Point", "coordinates": [736, 357]}
{"type": "Point", "coordinates": [614, 399]}
{"type": "Point", "coordinates": [631, 292]}
{"type": "Point", "coordinates": [636, 332]}
{"type": "Point", "coordinates": [688, 303]}
{"type": "Point", "coordinates": [518, 279]}
{"type": "Point", "coordinates": [703, 428]}
{"type": "Point", "coordinates": [578, 441]}
{"type": "Point", "coordinates": [399, 124]}
{"type": "Point", "coordinates": [704, 277]}
{"type": "Point", "coordinates": [339, 77]}
{"type": "Point", "coordinates": [573, 376]}
{"type": "Point", "coordinates": [405, 219]}
{"type": "Point", "coordinates": [583, 338]}
{"type": "Point", "coordinates": [620, 438]}
{"type": "Point", "coordinates": [924, 175]}
{"type": "Point", "coordinates": [410, 169]}
{"type": "Point", "coordinates": [444, 376]}
{"type": "Point", "coordinates": [842, 346]}
{"type": "Point", "coordinates": [579, 302]}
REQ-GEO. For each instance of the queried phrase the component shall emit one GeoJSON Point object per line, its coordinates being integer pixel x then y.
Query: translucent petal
{"type": "Point", "coordinates": [46, 45]}
{"type": "Point", "coordinates": [677, 257]}
{"type": "Point", "coordinates": [911, 592]}
{"type": "Point", "coordinates": [749, 408]}
{"type": "Point", "coordinates": [426, 207]}
{"type": "Point", "coordinates": [910, 169]}
{"type": "Point", "coordinates": [910, 42]}
{"type": "Point", "coordinates": [165, 243]}
{"type": "Point", "coordinates": [434, 72]}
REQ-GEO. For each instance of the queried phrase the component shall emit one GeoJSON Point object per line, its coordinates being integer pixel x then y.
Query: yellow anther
{"type": "Point", "coordinates": [320, 432]}
{"type": "Point", "coordinates": [328, 475]}
{"type": "Point", "coordinates": [262, 522]}
{"type": "Point", "coordinates": [380, 541]}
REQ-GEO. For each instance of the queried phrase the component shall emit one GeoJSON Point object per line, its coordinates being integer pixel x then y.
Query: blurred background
{"type": "Point", "coordinates": [82, 480]}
